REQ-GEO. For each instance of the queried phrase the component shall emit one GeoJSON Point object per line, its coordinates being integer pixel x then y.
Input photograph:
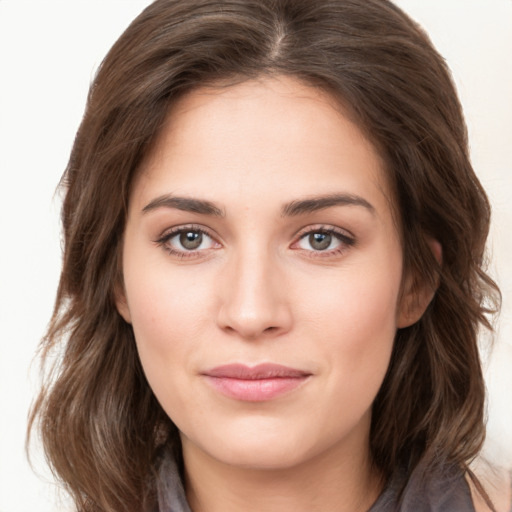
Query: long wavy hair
{"type": "Point", "coordinates": [101, 426]}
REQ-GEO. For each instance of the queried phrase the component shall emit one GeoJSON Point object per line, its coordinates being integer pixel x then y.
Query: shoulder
{"type": "Point", "coordinates": [491, 488]}
{"type": "Point", "coordinates": [440, 490]}
{"type": "Point", "coordinates": [444, 489]}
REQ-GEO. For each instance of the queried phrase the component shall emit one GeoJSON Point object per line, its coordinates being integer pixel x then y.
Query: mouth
{"type": "Point", "coordinates": [257, 383]}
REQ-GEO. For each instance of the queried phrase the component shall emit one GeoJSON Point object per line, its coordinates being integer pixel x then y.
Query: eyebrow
{"type": "Point", "coordinates": [291, 209]}
{"type": "Point", "coordinates": [186, 204]}
{"type": "Point", "coordinates": [314, 204]}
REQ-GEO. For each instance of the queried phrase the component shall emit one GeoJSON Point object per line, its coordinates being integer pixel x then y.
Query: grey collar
{"type": "Point", "coordinates": [445, 491]}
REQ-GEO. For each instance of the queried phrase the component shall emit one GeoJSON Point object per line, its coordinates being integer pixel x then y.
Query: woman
{"type": "Point", "coordinates": [273, 271]}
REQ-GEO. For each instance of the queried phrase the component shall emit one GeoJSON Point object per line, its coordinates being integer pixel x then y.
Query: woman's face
{"type": "Point", "coordinates": [262, 269]}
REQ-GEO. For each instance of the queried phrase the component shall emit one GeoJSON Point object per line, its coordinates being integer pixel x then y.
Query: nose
{"type": "Point", "coordinates": [254, 299]}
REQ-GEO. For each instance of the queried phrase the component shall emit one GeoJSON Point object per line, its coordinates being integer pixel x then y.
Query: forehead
{"type": "Point", "coordinates": [261, 138]}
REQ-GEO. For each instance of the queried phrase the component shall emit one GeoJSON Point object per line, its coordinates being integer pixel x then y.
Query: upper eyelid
{"type": "Point", "coordinates": [172, 231]}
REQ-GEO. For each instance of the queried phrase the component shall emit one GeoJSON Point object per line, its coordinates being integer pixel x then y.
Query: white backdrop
{"type": "Point", "coordinates": [49, 50]}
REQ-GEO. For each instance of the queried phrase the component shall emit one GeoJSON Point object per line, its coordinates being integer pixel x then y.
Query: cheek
{"type": "Point", "coordinates": [354, 301]}
{"type": "Point", "coordinates": [167, 324]}
{"type": "Point", "coordinates": [168, 311]}
{"type": "Point", "coordinates": [164, 315]}
{"type": "Point", "coordinates": [355, 325]}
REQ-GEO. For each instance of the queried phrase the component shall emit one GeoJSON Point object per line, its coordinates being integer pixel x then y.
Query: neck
{"type": "Point", "coordinates": [330, 482]}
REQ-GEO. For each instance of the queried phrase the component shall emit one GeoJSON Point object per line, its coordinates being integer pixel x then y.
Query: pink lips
{"type": "Point", "coordinates": [257, 383]}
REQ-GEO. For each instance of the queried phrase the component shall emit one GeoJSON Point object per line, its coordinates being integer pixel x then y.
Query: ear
{"type": "Point", "coordinates": [417, 294]}
{"type": "Point", "coordinates": [122, 304]}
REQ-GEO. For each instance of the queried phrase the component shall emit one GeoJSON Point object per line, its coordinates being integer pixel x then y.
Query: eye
{"type": "Point", "coordinates": [319, 241]}
{"type": "Point", "coordinates": [187, 241]}
{"type": "Point", "coordinates": [324, 240]}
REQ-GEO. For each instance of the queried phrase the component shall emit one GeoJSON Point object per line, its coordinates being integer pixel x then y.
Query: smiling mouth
{"type": "Point", "coordinates": [255, 384]}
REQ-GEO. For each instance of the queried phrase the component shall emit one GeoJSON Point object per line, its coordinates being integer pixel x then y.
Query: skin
{"type": "Point", "coordinates": [259, 290]}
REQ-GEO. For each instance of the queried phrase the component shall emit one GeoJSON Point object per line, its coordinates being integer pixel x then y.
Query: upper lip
{"type": "Point", "coordinates": [260, 371]}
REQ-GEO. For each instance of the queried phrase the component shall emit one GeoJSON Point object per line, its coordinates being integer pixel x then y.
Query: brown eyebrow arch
{"type": "Point", "coordinates": [314, 204]}
{"type": "Point", "coordinates": [186, 204]}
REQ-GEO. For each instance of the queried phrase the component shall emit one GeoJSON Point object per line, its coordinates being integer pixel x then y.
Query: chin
{"type": "Point", "coordinates": [259, 444]}
{"type": "Point", "coordinates": [259, 456]}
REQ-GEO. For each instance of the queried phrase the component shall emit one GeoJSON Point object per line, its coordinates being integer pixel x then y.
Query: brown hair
{"type": "Point", "coordinates": [99, 420]}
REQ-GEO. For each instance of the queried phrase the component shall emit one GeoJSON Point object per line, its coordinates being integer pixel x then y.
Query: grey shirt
{"type": "Point", "coordinates": [446, 492]}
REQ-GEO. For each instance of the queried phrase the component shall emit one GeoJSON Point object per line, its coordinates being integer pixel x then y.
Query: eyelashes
{"type": "Point", "coordinates": [187, 241]}
{"type": "Point", "coordinates": [323, 241]}
{"type": "Point", "coordinates": [194, 241]}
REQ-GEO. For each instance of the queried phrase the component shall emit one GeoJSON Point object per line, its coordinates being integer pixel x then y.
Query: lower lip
{"type": "Point", "coordinates": [255, 390]}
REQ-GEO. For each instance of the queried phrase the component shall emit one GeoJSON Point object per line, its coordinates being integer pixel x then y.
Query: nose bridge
{"type": "Point", "coordinates": [254, 302]}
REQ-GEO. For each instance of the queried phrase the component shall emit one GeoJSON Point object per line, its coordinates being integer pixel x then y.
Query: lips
{"type": "Point", "coordinates": [255, 384]}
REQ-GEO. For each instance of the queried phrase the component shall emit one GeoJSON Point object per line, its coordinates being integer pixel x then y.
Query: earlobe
{"type": "Point", "coordinates": [418, 293]}
{"type": "Point", "coordinates": [122, 304]}
{"type": "Point", "coordinates": [415, 301]}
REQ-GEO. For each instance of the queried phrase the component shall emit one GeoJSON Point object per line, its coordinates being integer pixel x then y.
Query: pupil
{"type": "Point", "coordinates": [320, 241]}
{"type": "Point", "coordinates": [191, 240]}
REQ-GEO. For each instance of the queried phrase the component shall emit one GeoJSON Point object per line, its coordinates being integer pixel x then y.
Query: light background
{"type": "Point", "coordinates": [49, 50]}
